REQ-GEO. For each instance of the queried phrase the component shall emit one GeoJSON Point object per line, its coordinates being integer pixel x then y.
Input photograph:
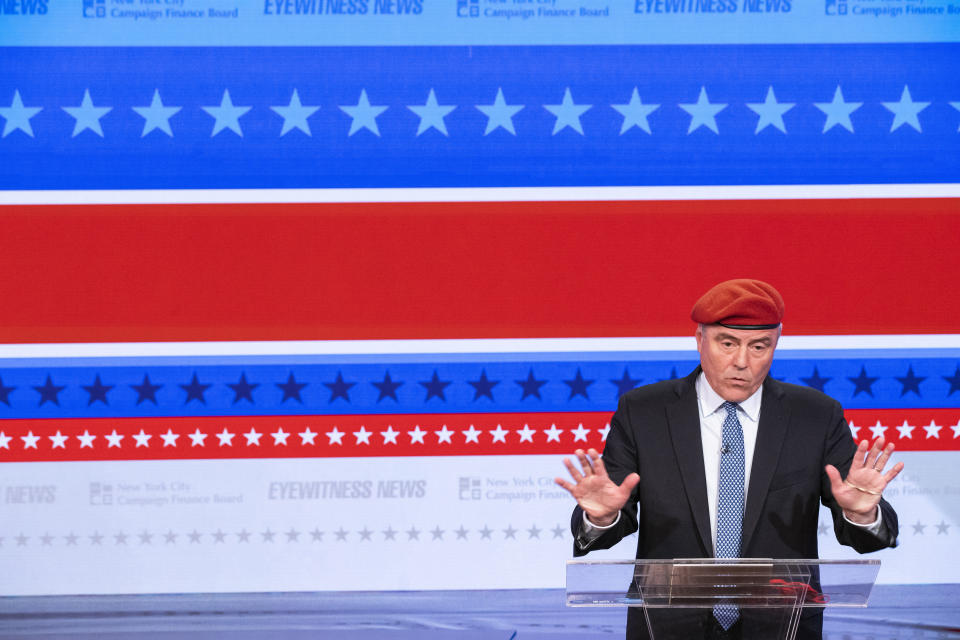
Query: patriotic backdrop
{"type": "Point", "coordinates": [328, 316]}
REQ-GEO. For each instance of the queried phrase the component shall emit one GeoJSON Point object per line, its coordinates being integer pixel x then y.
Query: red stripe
{"type": "Point", "coordinates": [386, 435]}
{"type": "Point", "coordinates": [468, 270]}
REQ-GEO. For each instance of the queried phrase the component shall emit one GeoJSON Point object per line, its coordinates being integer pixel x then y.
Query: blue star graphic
{"type": "Point", "coordinates": [672, 376]}
{"type": "Point", "coordinates": [243, 390]}
{"type": "Point", "coordinates": [291, 389]}
{"type": "Point", "coordinates": [838, 112]}
{"type": "Point", "coordinates": [910, 382]}
{"type": "Point", "coordinates": [578, 386]}
{"type": "Point", "coordinates": [703, 113]}
{"type": "Point", "coordinates": [48, 392]}
{"type": "Point", "coordinates": [625, 383]}
{"type": "Point", "coordinates": [339, 388]}
{"type": "Point", "coordinates": [295, 115]}
{"type": "Point", "coordinates": [146, 390]}
{"type": "Point", "coordinates": [195, 390]}
{"type": "Point", "coordinates": [531, 386]}
{"type": "Point", "coordinates": [770, 112]}
{"type": "Point", "coordinates": [226, 115]}
{"type": "Point", "coordinates": [97, 391]}
{"type": "Point", "coordinates": [905, 111]}
{"type": "Point", "coordinates": [954, 381]}
{"type": "Point", "coordinates": [5, 392]}
{"type": "Point", "coordinates": [815, 381]}
{"type": "Point", "coordinates": [431, 114]}
{"type": "Point", "coordinates": [956, 105]}
{"type": "Point", "coordinates": [363, 115]}
{"type": "Point", "coordinates": [499, 114]}
{"type": "Point", "coordinates": [863, 382]}
{"type": "Point", "coordinates": [483, 386]}
{"type": "Point", "coordinates": [635, 113]}
{"type": "Point", "coordinates": [156, 116]}
{"type": "Point", "coordinates": [18, 116]}
{"type": "Point", "coordinates": [435, 387]}
{"type": "Point", "coordinates": [388, 388]}
{"type": "Point", "coordinates": [568, 113]}
{"type": "Point", "coordinates": [87, 116]}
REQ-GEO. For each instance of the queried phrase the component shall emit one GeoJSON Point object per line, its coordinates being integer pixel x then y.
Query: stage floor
{"type": "Point", "coordinates": [915, 612]}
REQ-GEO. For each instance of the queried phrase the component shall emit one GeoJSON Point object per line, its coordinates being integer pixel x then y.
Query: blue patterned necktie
{"type": "Point", "coordinates": [730, 501]}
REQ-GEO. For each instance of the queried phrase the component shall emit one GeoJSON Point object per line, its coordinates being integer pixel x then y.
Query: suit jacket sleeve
{"type": "Point", "coordinates": [620, 459]}
{"type": "Point", "coordinates": [839, 451]}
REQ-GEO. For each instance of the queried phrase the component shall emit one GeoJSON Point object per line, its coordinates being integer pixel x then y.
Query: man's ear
{"type": "Point", "coordinates": [699, 336]}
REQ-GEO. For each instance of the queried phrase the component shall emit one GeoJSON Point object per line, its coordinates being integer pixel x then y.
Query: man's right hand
{"type": "Point", "coordinates": [600, 497]}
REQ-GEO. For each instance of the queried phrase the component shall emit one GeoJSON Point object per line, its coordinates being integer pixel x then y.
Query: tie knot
{"type": "Point", "coordinates": [731, 408]}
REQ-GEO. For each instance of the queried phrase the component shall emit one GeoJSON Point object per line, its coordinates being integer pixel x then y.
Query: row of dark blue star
{"type": "Point", "coordinates": [291, 390]}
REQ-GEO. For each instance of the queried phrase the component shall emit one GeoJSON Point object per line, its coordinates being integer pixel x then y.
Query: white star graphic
{"type": "Point", "coordinates": [87, 116]}
{"type": "Point", "coordinates": [295, 115]}
{"type": "Point", "coordinates": [18, 116]}
{"type": "Point", "coordinates": [143, 439]}
{"type": "Point", "coordinates": [703, 113]}
{"type": "Point", "coordinates": [956, 105]}
{"type": "Point", "coordinates": [568, 113]}
{"type": "Point", "coordinates": [363, 435]}
{"type": "Point", "coordinates": [5, 441]}
{"type": "Point", "coordinates": [933, 430]}
{"type": "Point", "coordinates": [197, 438]}
{"type": "Point", "coordinates": [604, 432]}
{"type": "Point", "coordinates": [169, 438]}
{"type": "Point", "coordinates": [226, 115]}
{"type": "Point", "coordinates": [526, 434]}
{"type": "Point", "coordinates": [431, 114]}
{"type": "Point", "coordinates": [444, 435]}
{"type": "Point", "coordinates": [86, 440]}
{"type": "Point", "coordinates": [499, 434]}
{"type": "Point", "coordinates": [499, 114]}
{"type": "Point", "coordinates": [389, 435]}
{"type": "Point", "coordinates": [472, 434]}
{"type": "Point", "coordinates": [225, 437]}
{"type": "Point", "coordinates": [905, 111]}
{"type": "Point", "coordinates": [113, 439]}
{"type": "Point", "coordinates": [580, 433]}
{"type": "Point", "coordinates": [335, 436]}
{"type": "Point", "coordinates": [280, 437]}
{"type": "Point", "coordinates": [878, 430]}
{"type": "Point", "coordinates": [854, 430]}
{"type": "Point", "coordinates": [906, 430]}
{"type": "Point", "coordinates": [58, 440]}
{"type": "Point", "coordinates": [156, 116]}
{"type": "Point", "coordinates": [417, 434]}
{"type": "Point", "coordinates": [306, 437]}
{"type": "Point", "coordinates": [253, 437]}
{"type": "Point", "coordinates": [838, 112]}
{"type": "Point", "coordinates": [770, 112]}
{"type": "Point", "coordinates": [553, 434]}
{"type": "Point", "coordinates": [635, 113]}
{"type": "Point", "coordinates": [363, 115]}
{"type": "Point", "coordinates": [956, 430]}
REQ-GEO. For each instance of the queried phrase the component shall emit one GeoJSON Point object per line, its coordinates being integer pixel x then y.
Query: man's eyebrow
{"type": "Point", "coordinates": [764, 339]}
{"type": "Point", "coordinates": [727, 336]}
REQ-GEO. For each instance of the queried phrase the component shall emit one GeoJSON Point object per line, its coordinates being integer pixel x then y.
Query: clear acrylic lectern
{"type": "Point", "coordinates": [677, 596]}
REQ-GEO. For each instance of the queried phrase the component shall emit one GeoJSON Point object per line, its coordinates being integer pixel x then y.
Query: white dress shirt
{"type": "Point", "coordinates": [712, 414]}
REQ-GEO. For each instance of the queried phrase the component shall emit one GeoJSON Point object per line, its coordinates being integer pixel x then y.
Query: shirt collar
{"type": "Point", "coordinates": [710, 401]}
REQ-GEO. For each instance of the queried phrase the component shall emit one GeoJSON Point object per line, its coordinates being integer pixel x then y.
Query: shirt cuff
{"type": "Point", "coordinates": [873, 527]}
{"type": "Point", "coordinates": [590, 532]}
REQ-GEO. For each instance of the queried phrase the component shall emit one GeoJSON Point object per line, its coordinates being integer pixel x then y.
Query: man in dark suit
{"type": "Point", "coordinates": [729, 462]}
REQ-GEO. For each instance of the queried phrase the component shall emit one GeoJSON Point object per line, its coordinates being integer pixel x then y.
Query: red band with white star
{"type": "Point", "coordinates": [386, 435]}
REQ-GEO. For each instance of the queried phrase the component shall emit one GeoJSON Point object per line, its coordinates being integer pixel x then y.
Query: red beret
{"type": "Point", "coordinates": [740, 304]}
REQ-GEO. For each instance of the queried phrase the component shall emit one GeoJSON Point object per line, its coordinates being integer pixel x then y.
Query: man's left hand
{"type": "Point", "coordinates": [859, 493]}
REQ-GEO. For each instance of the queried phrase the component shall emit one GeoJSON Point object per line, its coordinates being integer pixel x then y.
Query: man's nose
{"type": "Point", "coordinates": [740, 358]}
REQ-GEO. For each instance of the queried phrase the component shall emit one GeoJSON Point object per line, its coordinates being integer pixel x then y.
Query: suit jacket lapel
{"type": "Point", "coordinates": [771, 431]}
{"type": "Point", "coordinates": [683, 418]}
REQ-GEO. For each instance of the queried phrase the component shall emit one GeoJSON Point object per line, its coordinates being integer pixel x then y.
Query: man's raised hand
{"type": "Point", "coordinates": [599, 496]}
{"type": "Point", "coordinates": [859, 493]}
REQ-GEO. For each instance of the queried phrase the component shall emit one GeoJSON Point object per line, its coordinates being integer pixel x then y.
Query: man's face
{"type": "Point", "coordinates": [735, 361]}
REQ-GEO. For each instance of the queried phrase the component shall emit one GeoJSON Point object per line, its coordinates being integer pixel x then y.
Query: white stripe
{"type": "Point", "coordinates": [475, 194]}
{"type": "Point", "coordinates": [521, 345]}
